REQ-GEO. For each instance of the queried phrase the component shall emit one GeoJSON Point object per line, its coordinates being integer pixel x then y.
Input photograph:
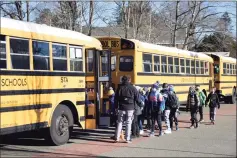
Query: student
{"type": "Point", "coordinates": [137, 112]}
{"type": "Point", "coordinates": [202, 98]}
{"type": "Point", "coordinates": [174, 108]}
{"type": "Point", "coordinates": [214, 103]}
{"type": "Point", "coordinates": [193, 104]}
{"type": "Point", "coordinates": [155, 99]}
{"type": "Point", "coordinates": [125, 98]}
{"type": "Point", "coordinates": [165, 93]}
{"type": "Point", "coordinates": [111, 95]}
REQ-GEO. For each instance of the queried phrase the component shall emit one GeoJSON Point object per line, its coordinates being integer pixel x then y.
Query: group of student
{"type": "Point", "coordinates": [132, 104]}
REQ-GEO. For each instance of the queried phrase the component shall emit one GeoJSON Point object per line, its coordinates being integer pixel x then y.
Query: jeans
{"type": "Point", "coordinates": [128, 120]}
{"type": "Point", "coordinates": [167, 121]}
{"type": "Point", "coordinates": [140, 120]}
{"type": "Point", "coordinates": [173, 118]}
{"type": "Point", "coordinates": [135, 127]}
{"type": "Point", "coordinates": [201, 112]}
{"type": "Point", "coordinates": [194, 115]}
{"type": "Point", "coordinates": [156, 116]}
{"type": "Point", "coordinates": [212, 113]}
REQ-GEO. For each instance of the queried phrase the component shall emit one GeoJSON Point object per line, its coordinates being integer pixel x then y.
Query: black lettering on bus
{"type": "Point", "coordinates": [105, 43]}
{"type": "Point", "coordinates": [14, 82]}
{"type": "Point", "coordinates": [64, 79]}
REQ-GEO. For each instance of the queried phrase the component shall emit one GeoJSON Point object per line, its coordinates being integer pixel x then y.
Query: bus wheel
{"type": "Point", "coordinates": [233, 98]}
{"type": "Point", "coordinates": [61, 125]}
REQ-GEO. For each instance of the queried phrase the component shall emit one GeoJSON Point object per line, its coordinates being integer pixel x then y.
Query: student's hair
{"type": "Point", "coordinates": [165, 85]}
{"type": "Point", "coordinates": [126, 78]}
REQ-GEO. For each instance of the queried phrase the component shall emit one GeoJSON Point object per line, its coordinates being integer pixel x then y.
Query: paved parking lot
{"type": "Point", "coordinates": [207, 141]}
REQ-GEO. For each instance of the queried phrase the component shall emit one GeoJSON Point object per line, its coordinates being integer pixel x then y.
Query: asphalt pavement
{"type": "Point", "coordinates": [208, 140]}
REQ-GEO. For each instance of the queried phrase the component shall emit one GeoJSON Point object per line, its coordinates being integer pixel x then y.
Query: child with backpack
{"type": "Point", "coordinates": [193, 104]}
{"type": "Point", "coordinates": [213, 104]}
{"type": "Point", "coordinates": [202, 98]}
{"type": "Point", "coordinates": [155, 99]}
{"type": "Point", "coordinates": [168, 103]}
{"type": "Point", "coordinates": [174, 108]}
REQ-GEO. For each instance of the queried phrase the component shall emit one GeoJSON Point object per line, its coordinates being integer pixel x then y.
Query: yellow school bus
{"type": "Point", "coordinates": [43, 78]}
{"type": "Point", "coordinates": [147, 63]}
{"type": "Point", "coordinates": [225, 78]}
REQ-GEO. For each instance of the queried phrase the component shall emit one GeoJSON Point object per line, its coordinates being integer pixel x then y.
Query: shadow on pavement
{"type": "Point", "coordinates": [187, 151]}
{"type": "Point", "coordinates": [41, 153]}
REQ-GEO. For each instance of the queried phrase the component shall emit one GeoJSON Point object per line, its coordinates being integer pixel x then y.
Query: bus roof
{"type": "Point", "coordinates": [142, 46]}
{"type": "Point", "coordinates": [30, 30]}
{"type": "Point", "coordinates": [227, 59]}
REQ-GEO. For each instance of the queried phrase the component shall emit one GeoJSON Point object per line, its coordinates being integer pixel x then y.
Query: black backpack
{"type": "Point", "coordinates": [126, 96]}
{"type": "Point", "coordinates": [172, 100]}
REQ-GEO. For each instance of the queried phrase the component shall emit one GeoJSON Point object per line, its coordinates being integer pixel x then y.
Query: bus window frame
{"type": "Point", "coordinates": [192, 67]}
{"type": "Point", "coordinates": [76, 59]}
{"type": "Point", "coordinates": [151, 64]}
{"type": "Point", "coordinates": [4, 59]}
{"type": "Point", "coordinates": [176, 67]}
{"type": "Point", "coordinates": [197, 67]}
{"type": "Point", "coordinates": [60, 58]}
{"type": "Point", "coordinates": [169, 64]}
{"type": "Point", "coordinates": [182, 66]}
{"type": "Point", "coordinates": [166, 62]}
{"type": "Point", "coordinates": [131, 57]}
{"type": "Point", "coordinates": [208, 68]}
{"type": "Point", "coordinates": [157, 64]}
{"type": "Point", "coordinates": [40, 55]}
{"type": "Point", "coordinates": [17, 38]}
{"type": "Point", "coordinates": [188, 66]}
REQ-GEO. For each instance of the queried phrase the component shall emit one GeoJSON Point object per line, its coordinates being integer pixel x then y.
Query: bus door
{"type": "Point", "coordinates": [98, 80]}
{"type": "Point", "coordinates": [102, 84]}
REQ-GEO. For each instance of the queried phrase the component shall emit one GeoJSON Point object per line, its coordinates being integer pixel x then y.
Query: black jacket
{"type": "Point", "coordinates": [214, 100]}
{"type": "Point", "coordinates": [126, 96]}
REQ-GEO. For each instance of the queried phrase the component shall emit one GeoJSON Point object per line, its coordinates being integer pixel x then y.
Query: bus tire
{"type": "Point", "coordinates": [233, 97]}
{"type": "Point", "coordinates": [61, 126]}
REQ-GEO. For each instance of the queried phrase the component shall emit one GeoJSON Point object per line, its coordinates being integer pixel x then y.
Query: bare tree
{"type": "Point", "coordinates": [17, 9]}
{"type": "Point", "coordinates": [91, 12]}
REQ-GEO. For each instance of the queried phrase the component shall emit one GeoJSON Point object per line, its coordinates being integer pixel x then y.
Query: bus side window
{"type": "Point", "coordinates": [40, 55]}
{"type": "Point", "coordinates": [224, 68]}
{"type": "Point", "coordinates": [76, 59]}
{"type": "Point", "coordinates": [163, 64]}
{"type": "Point", "coordinates": [59, 57]}
{"type": "Point", "coordinates": [170, 64]}
{"type": "Point", "coordinates": [187, 66]}
{"type": "Point", "coordinates": [3, 63]}
{"type": "Point", "coordinates": [19, 50]}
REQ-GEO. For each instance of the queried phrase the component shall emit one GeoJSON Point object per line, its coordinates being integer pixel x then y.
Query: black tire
{"type": "Point", "coordinates": [233, 98]}
{"type": "Point", "coordinates": [56, 134]}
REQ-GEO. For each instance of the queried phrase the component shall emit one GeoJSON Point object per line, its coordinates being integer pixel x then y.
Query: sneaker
{"type": "Point", "coordinates": [177, 128]}
{"type": "Point", "coordinates": [191, 127]}
{"type": "Point", "coordinates": [201, 120]}
{"type": "Point", "coordinates": [141, 132]}
{"type": "Point", "coordinates": [168, 131]}
{"type": "Point", "coordinates": [116, 141]}
{"type": "Point", "coordinates": [128, 141]}
{"type": "Point", "coordinates": [133, 136]}
{"type": "Point", "coordinates": [161, 134]}
{"type": "Point", "coordinates": [151, 135]}
{"type": "Point", "coordinates": [213, 122]}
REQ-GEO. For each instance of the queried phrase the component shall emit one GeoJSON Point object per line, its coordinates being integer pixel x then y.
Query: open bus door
{"type": "Point", "coordinates": [98, 83]}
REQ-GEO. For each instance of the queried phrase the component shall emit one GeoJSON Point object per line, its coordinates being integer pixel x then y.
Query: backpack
{"type": "Point", "coordinates": [213, 100]}
{"type": "Point", "coordinates": [202, 98]}
{"type": "Point", "coordinates": [155, 97]}
{"type": "Point", "coordinates": [192, 100]}
{"type": "Point", "coordinates": [125, 95]}
{"type": "Point", "coordinates": [172, 100]}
